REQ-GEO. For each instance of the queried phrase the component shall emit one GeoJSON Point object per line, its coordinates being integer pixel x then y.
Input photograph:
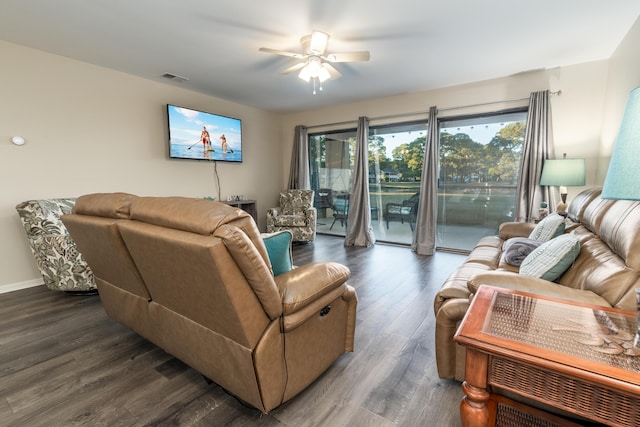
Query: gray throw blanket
{"type": "Point", "coordinates": [516, 249]}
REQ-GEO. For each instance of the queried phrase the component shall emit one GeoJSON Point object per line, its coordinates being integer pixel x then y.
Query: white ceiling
{"type": "Point", "coordinates": [415, 44]}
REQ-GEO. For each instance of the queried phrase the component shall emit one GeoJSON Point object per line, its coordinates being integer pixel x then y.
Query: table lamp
{"type": "Point", "coordinates": [623, 180]}
{"type": "Point", "coordinates": [564, 173]}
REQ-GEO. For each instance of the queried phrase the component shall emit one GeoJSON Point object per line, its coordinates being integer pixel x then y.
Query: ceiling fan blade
{"type": "Point", "coordinates": [281, 52]}
{"type": "Point", "coordinates": [293, 68]}
{"type": "Point", "coordinates": [348, 57]}
{"type": "Point", "coordinates": [335, 74]}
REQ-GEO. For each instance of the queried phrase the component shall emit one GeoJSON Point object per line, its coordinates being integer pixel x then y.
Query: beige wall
{"type": "Point", "coordinates": [90, 129]}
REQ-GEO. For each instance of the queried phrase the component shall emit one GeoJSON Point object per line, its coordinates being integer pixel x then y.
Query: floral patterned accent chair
{"type": "Point", "coordinates": [296, 214]}
{"type": "Point", "coordinates": [61, 264]}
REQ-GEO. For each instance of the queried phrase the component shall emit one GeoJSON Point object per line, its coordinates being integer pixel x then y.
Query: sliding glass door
{"type": "Point", "coordinates": [395, 163]}
{"type": "Point", "coordinates": [396, 155]}
{"type": "Point", "coordinates": [331, 155]}
{"type": "Point", "coordinates": [479, 168]}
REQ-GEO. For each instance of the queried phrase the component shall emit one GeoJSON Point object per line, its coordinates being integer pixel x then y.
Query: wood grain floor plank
{"type": "Point", "coordinates": [41, 342]}
{"type": "Point", "coordinates": [87, 389]}
{"type": "Point", "coordinates": [201, 409]}
{"type": "Point", "coordinates": [392, 395]}
{"type": "Point", "coordinates": [350, 387]}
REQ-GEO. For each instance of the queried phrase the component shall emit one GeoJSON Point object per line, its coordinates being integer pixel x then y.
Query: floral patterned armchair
{"type": "Point", "coordinates": [296, 214]}
{"type": "Point", "coordinates": [62, 267]}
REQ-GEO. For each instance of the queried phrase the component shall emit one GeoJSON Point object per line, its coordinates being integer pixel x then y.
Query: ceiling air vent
{"type": "Point", "coordinates": [175, 77]}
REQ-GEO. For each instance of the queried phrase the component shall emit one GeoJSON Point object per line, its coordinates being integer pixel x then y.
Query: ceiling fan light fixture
{"type": "Point", "coordinates": [314, 65]}
{"type": "Point", "coordinates": [323, 74]}
{"type": "Point", "coordinates": [305, 74]}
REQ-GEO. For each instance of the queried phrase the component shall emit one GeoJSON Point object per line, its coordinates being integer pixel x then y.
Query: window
{"type": "Point", "coordinates": [479, 169]}
{"type": "Point", "coordinates": [479, 161]}
{"type": "Point", "coordinates": [331, 155]}
{"type": "Point", "coordinates": [395, 164]}
{"type": "Point", "coordinates": [396, 155]}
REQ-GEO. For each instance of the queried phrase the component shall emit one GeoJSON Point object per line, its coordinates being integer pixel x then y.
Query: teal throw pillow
{"type": "Point", "coordinates": [279, 250]}
{"type": "Point", "coordinates": [551, 226]}
{"type": "Point", "coordinates": [549, 260]}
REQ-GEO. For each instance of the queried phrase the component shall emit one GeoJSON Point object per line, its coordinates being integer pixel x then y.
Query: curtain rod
{"type": "Point", "coordinates": [415, 113]}
{"type": "Point", "coordinates": [392, 116]}
{"type": "Point", "coordinates": [493, 102]}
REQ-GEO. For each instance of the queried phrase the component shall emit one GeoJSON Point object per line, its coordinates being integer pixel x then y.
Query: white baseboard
{"type": "Point", "coordinates": [21, 285]}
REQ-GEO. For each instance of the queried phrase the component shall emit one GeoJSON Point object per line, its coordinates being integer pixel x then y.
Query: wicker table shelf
{"type": "Point", "coordinates": [578, 360]}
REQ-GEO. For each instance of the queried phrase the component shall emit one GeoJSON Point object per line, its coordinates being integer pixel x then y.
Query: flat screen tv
{"type": "Point", "coordinates": [197, 135]}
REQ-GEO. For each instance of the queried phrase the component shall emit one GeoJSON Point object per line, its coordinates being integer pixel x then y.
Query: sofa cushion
{"type": "Point", "coordinates": [108, 205]}
{"type": "Point", "coordinates": [279, 249]}
{"type": "Point", "coordinates": [549, 260]}
{"type": "Point", "coordinates": [511, 280]}
{"type": "Point", "coordinates": [619, 230]}
{"type": "Point", "coordinates": [580, 202]}
{"type": "Point", "coordinates": [253, 267]}
{"type": "Point", "coordinates": [550, 227]}
{"type": "Point", "coordinates": [398, 209]}
{"type": "Point", "coordinates": [193, 215]}
{"type": "Point", "coordinates": [508, 230]}
{"type": "Point", "coordinates": [595, 212]}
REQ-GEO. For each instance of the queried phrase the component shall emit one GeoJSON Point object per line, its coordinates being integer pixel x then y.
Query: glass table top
{"type": "Point", "coordinates": [591, 334]}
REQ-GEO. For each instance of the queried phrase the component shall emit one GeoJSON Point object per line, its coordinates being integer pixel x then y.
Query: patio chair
{"type": "Point", "coordinates": [405, 211]}
{"type": "Point", "coordinates": [339, 202]}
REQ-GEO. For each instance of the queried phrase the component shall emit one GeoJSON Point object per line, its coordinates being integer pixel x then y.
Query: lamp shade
{"type": "Point", "coordinates": [623, 180]}
{"type": "Point", "coordinates": [564, 172]}
{"type": "Point", "coordinates": [305, 74]}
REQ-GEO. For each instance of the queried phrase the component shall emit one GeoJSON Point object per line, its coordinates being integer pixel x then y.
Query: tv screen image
{"type": "Point", "coordinates": [198, 135]}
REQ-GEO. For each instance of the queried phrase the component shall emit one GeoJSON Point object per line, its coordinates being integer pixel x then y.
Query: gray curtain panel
{"type": "Point", "coordinates": [359, 229]}
{"type": "Point", "coordinates": [537, 146]}
{"type": "Point", "coordinates": [299, 176]}
{"type": "Point", "coordinates": [424, 236]}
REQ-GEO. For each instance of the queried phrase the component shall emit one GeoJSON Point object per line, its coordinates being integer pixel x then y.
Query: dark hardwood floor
{"type": "Point", "coordinates": [63, 362]}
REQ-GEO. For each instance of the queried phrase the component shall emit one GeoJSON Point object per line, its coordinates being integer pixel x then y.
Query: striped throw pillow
{"type": "Point", "coordinates": [549, 260]}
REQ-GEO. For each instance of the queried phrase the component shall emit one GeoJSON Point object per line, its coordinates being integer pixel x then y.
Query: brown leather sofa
{"type": "Point", "coordinates": [193, 276]}
{"type": "Point", "coordinates": [606, 271]}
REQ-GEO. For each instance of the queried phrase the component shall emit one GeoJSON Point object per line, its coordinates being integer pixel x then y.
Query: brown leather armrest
{"type": "Point", "coordinates": [310, 289]}
{"type": "Point", "coordinates": [516, 229]}
{"type": "Point", "coordinates": [308, 283]}
{"type": "Point", "coordinates": [448, 318]}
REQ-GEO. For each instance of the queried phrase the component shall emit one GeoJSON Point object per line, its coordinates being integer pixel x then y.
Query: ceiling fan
{"type": "Point", "coordinates": [316, 62]}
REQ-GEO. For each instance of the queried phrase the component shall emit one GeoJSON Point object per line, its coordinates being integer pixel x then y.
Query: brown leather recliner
{"type": "Point", "coordinates": [193, 276]}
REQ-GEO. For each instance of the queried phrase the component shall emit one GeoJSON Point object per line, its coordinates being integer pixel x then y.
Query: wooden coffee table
{"type": "Point", "coordinates": [575, 359]}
